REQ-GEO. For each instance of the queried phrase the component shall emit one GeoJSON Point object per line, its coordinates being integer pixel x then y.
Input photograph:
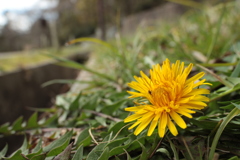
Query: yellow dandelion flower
{"type": "Point", "coordinates": [170, 94]}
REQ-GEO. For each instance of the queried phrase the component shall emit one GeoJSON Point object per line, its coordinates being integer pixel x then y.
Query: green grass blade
{"type": "Point", "coordinates": [75, 65]}
{"type": "Point", "coordinates": [94, 40]}
{"type": "Point", "coordinates": [215, 35]}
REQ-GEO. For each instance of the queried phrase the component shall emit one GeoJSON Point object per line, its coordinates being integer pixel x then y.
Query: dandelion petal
{"type": "Point", "coordinates": [162, 124]}
{"type": "Point", "coordinates": [172, 127]}
{"type": "Point", "coordinates": [178, 119]}
{"type": "Point", "coordinates": [142, 126]}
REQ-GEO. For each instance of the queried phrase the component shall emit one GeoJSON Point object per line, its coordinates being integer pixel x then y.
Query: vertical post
{"type": "Point", "coordinates": [53, 33]}
{"type": "Point", "coordinates": [101, 18]}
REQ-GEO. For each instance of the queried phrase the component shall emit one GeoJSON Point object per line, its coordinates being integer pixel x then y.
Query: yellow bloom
{"type": "Point", "coordinates": [170, 94]}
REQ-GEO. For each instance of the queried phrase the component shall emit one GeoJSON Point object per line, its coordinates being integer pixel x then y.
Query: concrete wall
{"type": "Point", "coordinates": [166, 12]}
{"type": "Point", "coordinates": [21, 89]}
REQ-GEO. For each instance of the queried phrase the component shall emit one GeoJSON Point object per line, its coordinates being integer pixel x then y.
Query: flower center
{"type": "Point", "coordinates": [164, 97]}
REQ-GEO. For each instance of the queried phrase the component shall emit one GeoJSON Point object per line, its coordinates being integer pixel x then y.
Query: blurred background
{"type": "Point", "coordinates": [31, 28]}
{"type": "Point", "coordinates": [33, 24]}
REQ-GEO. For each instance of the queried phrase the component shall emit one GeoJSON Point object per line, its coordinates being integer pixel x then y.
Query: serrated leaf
{"type": "Point", "coordinates": [62, 101]}
{"type": "Point", "coordinates": [96, 152]}
{"type": "Point", "coordinates": [117, 142]}
{"type": "Point", "coordinates": [109, 109]}
{"type": "Point", "coordinates": [104, 155]}
{"type": "Point", "coordinates": [50, 120]}
{"type": "Point", "coordinates": [39, 157]}
{"type": "Point", "coordinates": [128, 156]}
{"type": "Point", "coordinates": [119, 149]}
{"type": "Point", "coordinates": [92, 102]}
{"type": "Point", "coordinates": [49, 158]}
{"type": "Point", "coordinates": [65, 155]}
{"type": "Point", "coordinates": [84, 138]}
{"type": "Point", "coordinates": [144, 154]}
{"type": "Point", "coordinates": [135, 144]}
{"type": "Point", "coordinates": [236, 105]}
{"type": "Point", "coordinates": [79, 153]}
{"type": "Point", "coordinates": [3, 151]}
{"type": "Point", "coordinates": [17, 124]}
{"type": "Point", "coordinates": [119, 126]}
{"type": "Point", "coordinates": [31, 155]}
{"type": "Point", "coordinates": [38, 146]}
{"type": "Point", "coordinates": [16, 156]}
{"type": "Point", "coordinates": [24, 147]}
{"type": "Point", "coordinates": [57, 150]}
{"type": "Point", "coordinates": [75, 104]}
{"type": "Point", "coordinates": [58, 142]}
{"type": "Point", "coordinates": [4, 128]}
{"type": "Point", "coordinates": [37, 150]}
{"type": "Point", "coordinates": [63, 117]}
{"type": "Point", "coordinates": [33, 121]}
{"type": "Point", "coordinates": [101, 120]}
{"type": "Point", "coordinates": [164, 151]}
{"type": "Point", "coordinates": [23, 150]}
{"type": "Point", "coordinates": [94, 155]}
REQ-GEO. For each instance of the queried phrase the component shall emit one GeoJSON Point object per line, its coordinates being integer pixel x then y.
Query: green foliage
{"type": "Point", "coordinates": [84, 138]}
{"type": "Point", "coordinates": [89, 125]}
{"type": "Point", "coordinates": [3, 151]}
{"type": "Point", "coordinates": [78, 154]}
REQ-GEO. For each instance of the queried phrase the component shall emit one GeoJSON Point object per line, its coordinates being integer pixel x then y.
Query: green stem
{"type": "Point", "coordinates": [155, 148]}
{"type": "Point", "coordinates": [223, 81]}
{"type": "Point", "coordinates": [210, 135]}
{"type": "Point", "coordinates": [217, 64]}
{"type": "Point", "coordinates": [188, 150]}
{"type": "Point", "coordinates": [69, 63]}
{"type": "Point", "coordinates": [227, 119]}
{"type": "Point", "coordinates": [223, 94]}
{"type": "Point", "coordinates": [155, 145]}
{"type": "Point", "coordinates": [175, 153]}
